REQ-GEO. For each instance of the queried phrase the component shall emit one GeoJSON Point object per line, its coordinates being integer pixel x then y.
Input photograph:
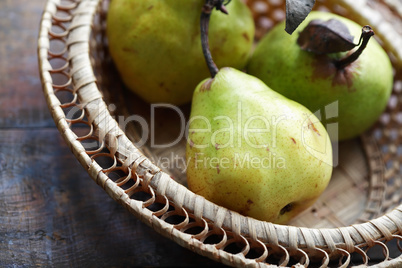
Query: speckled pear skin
{"type": "Point", "coordinates": [156, 47]}
{"type": "Point", "coordinates": [270, 175]}
{"type": "Point", "coordinates": [361, 90]}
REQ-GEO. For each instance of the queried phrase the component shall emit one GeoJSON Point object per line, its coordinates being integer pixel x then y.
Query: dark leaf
{"type": "Point", "coordinates": [296, 12]}
{"type": "Point", "coordinates": [323, 37]}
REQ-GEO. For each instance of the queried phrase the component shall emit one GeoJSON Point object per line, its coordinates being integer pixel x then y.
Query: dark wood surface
{"type": "Point", "coordinates": [51, 213]}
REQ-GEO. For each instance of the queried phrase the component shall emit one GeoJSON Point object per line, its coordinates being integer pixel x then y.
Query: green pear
{"type": "Point", "coordinates": [253, 150]}
{"type": "Point", "coordinates": [156, 47]}
{"type": "Point", "coordinates": [360, 89]}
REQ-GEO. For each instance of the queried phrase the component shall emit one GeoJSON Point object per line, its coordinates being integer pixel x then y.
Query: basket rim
{"type": "Point", "coordinates": [342, 239]}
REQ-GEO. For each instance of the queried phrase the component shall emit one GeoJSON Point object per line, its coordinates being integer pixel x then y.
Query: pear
{"type": "Point", "coordinates": [253, 150]}
{"type": "Point", "coordinates": [360, 90]}
{"type": "Point", "coordinates": [155, 45]}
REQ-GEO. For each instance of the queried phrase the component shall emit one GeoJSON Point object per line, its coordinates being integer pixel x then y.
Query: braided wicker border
{"type": "Point", "coordinates": [174, 199]}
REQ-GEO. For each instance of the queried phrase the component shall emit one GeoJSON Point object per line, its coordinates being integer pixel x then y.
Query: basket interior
{"type": "Point", "coordinates": [364, 184]}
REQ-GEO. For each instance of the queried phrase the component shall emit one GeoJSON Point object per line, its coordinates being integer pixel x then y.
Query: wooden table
{"type": "Point", "coordinates": [51, 213]}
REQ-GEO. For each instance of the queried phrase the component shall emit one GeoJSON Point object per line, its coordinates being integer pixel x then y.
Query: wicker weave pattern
{"type": "Point", "coordinates": [77, 105]}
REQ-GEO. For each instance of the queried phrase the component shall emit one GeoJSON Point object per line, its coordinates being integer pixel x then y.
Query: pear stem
{"type": "Point", "coordinates": [367, 33]}
{"type": "Point", "coordinates": [204, 24]}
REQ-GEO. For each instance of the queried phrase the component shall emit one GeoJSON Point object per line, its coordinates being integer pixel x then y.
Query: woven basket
{"type": "Point", "coordinates": [360, 212]}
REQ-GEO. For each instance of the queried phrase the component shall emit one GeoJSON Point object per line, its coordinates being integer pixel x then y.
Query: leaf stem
{"type": "Point", "coordinates": [367, 33]}
{"type": "Point", "coordinates": [204, 24]}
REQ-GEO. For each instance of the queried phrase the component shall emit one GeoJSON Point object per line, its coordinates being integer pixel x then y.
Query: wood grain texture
{"type": "Point", "coordinates": [20, 105]}
{"type": "Point", "coordinates": [61, 218]}
{"type": "Point", "coordinates": [51, 213]}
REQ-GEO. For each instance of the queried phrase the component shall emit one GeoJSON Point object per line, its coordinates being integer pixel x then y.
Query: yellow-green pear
{"type": "Point", "coordinates": [155, 44]}
{"type": "Point", "coordinates": [360, 89]}
{"type": "Point", "coordinates": [253, 150]}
